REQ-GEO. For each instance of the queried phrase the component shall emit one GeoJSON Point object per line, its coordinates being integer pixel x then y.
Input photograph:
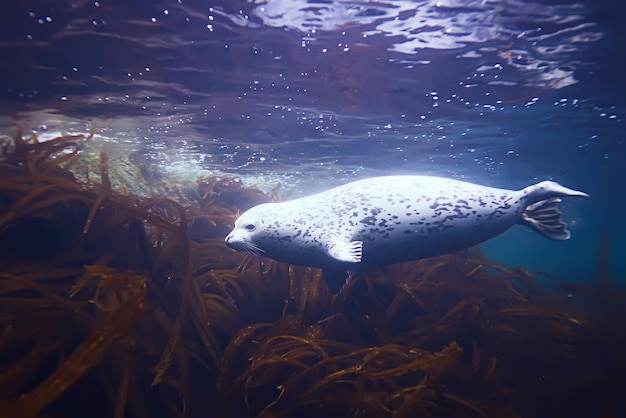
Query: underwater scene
{"type": "Point", "coordinates": [312, 208]}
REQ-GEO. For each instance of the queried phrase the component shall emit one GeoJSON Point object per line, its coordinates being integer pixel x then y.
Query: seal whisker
{"type": "Point", "coordinates": [252, 248]}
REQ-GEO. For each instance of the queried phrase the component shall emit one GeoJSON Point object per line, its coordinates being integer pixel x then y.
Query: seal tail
{"type": "Point", "coordinates": [542, 214]}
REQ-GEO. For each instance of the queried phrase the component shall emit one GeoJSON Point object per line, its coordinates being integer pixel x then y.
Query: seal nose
{"type": "Point", "coordinates": [232, 242]}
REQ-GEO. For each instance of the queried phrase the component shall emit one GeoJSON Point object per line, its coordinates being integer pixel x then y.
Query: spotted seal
{"type": "Point", "coordinates": [384, 220]}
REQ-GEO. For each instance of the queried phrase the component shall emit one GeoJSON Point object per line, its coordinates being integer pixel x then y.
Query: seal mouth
{"type": "Point", "coordinates": [243, 245]}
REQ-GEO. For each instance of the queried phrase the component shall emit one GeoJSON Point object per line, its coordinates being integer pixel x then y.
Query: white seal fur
{"type": "Point", "coordinates": [384, 220]}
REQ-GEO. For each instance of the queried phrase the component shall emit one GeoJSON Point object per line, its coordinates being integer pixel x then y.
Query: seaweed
{"type": "Point", "coordinates": [116, 305]}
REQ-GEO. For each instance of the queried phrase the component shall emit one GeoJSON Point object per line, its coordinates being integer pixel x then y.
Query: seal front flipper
{"type": "Point", "coordinates": [345, 251]}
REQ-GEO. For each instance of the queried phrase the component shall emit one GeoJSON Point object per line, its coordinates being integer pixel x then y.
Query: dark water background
{"type": "Point", "coordinates": [312, 94]}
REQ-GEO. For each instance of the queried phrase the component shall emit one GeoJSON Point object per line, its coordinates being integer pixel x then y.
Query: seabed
{"type": "Point", "coordinates": [116, 305]}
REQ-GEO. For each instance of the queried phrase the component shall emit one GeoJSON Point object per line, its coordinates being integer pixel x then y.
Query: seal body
{"type": "Point", "coordinates": [384, 220]}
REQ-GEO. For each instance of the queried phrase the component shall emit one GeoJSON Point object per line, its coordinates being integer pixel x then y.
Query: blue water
{"type": "Point", "coordinates": [312, 94]}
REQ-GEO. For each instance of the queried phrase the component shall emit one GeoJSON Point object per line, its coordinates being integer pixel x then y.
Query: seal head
{"type": "Point", "coordinates": [277, 230]}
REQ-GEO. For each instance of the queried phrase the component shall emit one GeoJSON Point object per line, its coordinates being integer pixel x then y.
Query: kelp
{"type": "Point", "coordinates": [116, 305]}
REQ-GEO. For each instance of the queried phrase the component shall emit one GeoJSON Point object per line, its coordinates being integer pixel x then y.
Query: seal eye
{"type": "Point", "coordinates": [250, 227]}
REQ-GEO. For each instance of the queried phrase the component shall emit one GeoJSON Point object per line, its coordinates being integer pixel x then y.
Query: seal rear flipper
{"type": "Point", "coordinates": [548, 189]}
{"type": "Point", "coordinates": [545, 218]}
{"type": "Point", "coordinates": [346, 251]}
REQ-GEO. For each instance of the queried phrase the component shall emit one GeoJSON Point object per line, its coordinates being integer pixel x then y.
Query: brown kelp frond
{"type": "Point", "coordinates": [229, 191]}
{"type": "Point", "coordinates": [85, 271]}
{"type": "Point", "coordinates": [114, 305]}
{"type": "Point", "coordinates": [288, 375]}
{"type": "Point", "coordinates": [125, 297]}
{"type": "Point", "coordinates": [44, 158]}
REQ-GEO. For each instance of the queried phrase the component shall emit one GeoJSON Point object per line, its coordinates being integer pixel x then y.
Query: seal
{"type": "Point", "coordinates": [390, 219]}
